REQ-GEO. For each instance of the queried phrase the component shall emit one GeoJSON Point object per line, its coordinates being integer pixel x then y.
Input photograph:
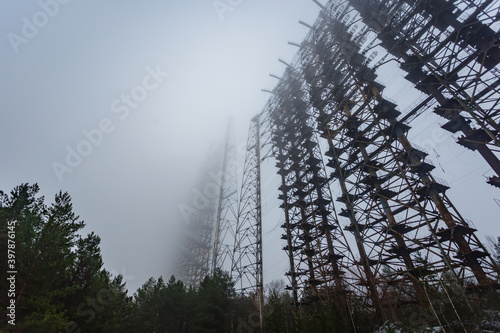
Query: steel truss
{"type": "Point", "coordinates": [247, 259]}
{"type": "Point", "coordinates": [409, 238]}
{"type": "Point", "coordinates": [194, 259]}
{"type": "Point", "coordinates": [315, 243]}
{"type": "Point", "coordinates": [451, 51]}
{"type": "Point", "coordinates": [237, 247]}
{"type": "Point", "coordinates": [226, 219]}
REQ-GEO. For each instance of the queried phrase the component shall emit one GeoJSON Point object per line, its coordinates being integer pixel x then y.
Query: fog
{"type": "Point", "coordinates": [119, 102]}
{"type": "Point", "coordinates": [150, 85]}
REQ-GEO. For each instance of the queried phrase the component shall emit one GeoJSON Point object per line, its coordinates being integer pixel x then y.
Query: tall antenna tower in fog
{"type": "Point", "coordinates": [247, 269]}
{"type": "Point", "coordinates": [224, 229]}
{"type": "Point", "coordinates": [393, 229]}
{"type": "Point", "coordinates": [367, 224]}
{"type": "Point", "coordinates": [226, 220]}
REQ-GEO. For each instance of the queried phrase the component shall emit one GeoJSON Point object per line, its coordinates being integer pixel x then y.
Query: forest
{"type": "Point", "coordinates": [53, 280]}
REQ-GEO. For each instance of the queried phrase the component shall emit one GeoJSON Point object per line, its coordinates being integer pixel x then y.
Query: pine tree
{"type": "Point", "coordinates": [175, 312]}
{"type": "Point", "coordinates": [213, 308]}
{"type": "Point", "coordinates": [60, 282]}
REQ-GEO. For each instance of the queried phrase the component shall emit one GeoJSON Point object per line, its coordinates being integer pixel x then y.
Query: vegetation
{"type": "Point", "coordinates": [61, 286]}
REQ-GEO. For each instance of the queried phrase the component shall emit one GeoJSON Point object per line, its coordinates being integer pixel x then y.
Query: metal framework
{"type": "Point", "coordinates": [403, 234]}
{"type": "Point", "coordinates": [366, 223]}
{"type": "Point", "coordinates": [315, 243]}
{"type": "Point", "coordinates": [451, 51]}
{"type": "Point", "coordinates": [247, 259]}
{"type": "Point", "coordinates": [226, 220]}
{"type": "Point", "coordinates": [224, 227]}
{"type": "Point", "coordinates": [198, 217]}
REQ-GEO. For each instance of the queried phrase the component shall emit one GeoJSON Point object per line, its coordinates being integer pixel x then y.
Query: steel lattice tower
{"type": "Point", "coordinates": [247, 259]}
{"type": "Point", "coordinates": [451, 53]}
{"type": "Point", "coordinates": [407, 235]}
{"type": "Point", "coordinates": [198, 217]}
{"type": "Point", "coordinates": [223, 228]}
{"type": "Point", "coordinates": [226, 218]}
{"type": "Point", "coordinates": [315, 244]}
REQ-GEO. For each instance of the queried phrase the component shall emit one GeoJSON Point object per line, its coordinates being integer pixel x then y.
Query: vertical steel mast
{"type": "Point", "coordinates": [247, 260]}
{"type": "Point", "coordinates": [198, 220]}
{"type": "Point", "coordinates": [225, 224]}
{"type": "Point", "coordinates": [315, 244]}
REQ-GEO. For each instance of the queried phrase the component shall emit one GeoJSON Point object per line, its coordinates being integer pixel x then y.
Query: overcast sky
{"type": "Point", "coordinates": [98, 69]}
{"type": "Point", "coordinates": [118, 101]}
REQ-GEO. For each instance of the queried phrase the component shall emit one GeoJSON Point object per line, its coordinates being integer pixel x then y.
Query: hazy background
{"type": "Point", "coordinates": [64, 78]}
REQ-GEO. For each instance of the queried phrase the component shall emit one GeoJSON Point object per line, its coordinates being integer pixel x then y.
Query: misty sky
{"type": "Point", "coordinates": [151, 84]}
